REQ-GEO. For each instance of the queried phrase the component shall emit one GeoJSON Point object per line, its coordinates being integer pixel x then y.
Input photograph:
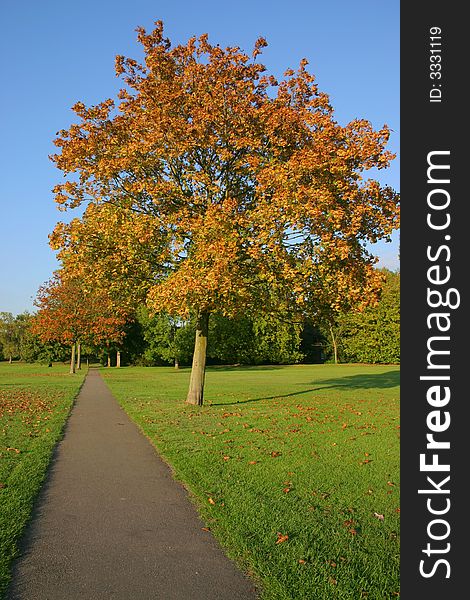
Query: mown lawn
{"type": "Point", "coordinates": [294, 469]}
{"type": "Point", "coordinates": [34, 403]}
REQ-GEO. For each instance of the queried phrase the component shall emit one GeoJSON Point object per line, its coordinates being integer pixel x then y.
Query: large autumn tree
{"type": "Point", "coordinates": [249, 189]}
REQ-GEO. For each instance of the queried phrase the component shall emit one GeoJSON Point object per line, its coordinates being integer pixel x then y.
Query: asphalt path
{"type": "Point", "coordinates": [112, 523]}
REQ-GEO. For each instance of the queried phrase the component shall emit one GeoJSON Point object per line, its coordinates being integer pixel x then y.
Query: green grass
{"type": "Point", "coordinates": [34, 403]}
{"type": "Point", "coordinates": [310, 452]}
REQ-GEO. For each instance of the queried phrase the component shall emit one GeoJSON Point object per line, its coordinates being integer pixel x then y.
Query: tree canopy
{"type": "Point", "coordinates": [221, 190]}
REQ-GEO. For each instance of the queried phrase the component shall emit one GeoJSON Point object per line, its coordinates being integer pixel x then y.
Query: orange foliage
{"type": "Point", "coordinates": [69, 312]}
{"type": "Point", "coordinates": [212, 187]}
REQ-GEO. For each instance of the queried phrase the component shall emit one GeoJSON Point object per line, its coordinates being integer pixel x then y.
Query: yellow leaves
{"type": "Point", "coordinates": [281, 538]}
{"type": "Point", "coordinates": [259, 44]}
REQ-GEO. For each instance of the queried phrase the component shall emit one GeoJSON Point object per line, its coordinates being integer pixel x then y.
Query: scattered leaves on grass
{"type": "Point", "coordinates": [281, 538]}
{"type": "Point", "coordinates": [323, 495]}
{"type": "Point", "coordinates": [350, 525]}
{"type": "Point", "coordinates": [275, 454]}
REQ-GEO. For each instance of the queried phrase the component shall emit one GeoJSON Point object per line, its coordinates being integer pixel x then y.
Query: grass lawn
{"type": "Point", "coordinates": [294, 469]}
{"type": "Point", "coordinates": [34, 403]}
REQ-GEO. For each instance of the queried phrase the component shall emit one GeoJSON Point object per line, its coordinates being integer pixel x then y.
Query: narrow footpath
{"type": "Point", "coordinates": [112, 523]}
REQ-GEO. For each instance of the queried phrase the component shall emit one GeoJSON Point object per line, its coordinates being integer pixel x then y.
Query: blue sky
{"type": "Point", "coordinates": [58, 52]}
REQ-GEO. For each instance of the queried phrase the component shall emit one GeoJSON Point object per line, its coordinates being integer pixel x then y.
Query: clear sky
{"type": "Point", "coordinates": [56, 52]}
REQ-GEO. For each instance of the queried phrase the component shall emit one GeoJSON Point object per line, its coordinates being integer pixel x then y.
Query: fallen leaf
{"type": "Point", "coordinates": [274, 454]}
{"type": "Point", "coordinates": [252, 462]}
{"type": "Point", "coordinates": [302, 561]}
{"type": "Point", "coordinates": [205, 528]}
{"type": "Point", "coordinates": [286, 490]}
{"type": "Point", "coordinates": [381, 517]}
{"type": "Point", "coordinates": [211, 501]}
{"type": "Point", "coordinates": [281, 538]}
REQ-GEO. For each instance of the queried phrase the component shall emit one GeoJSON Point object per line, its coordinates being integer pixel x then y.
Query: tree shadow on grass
{"type": "Point", "coordinates": [352, 382]}
{"type": "Point", "coordinates": [364, 381]}
{"type": "Point", "coordinates": [245, 367]}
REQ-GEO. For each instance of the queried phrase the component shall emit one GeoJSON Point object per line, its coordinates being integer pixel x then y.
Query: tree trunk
{"type": "Point", "coordinates": [196, 384]}
{"type": "Point", "coordinates": [10, 359]}
{"type": "Point", "coordinates": [118, 359]}
{"type": "Point", "coordinates": [72, 360]}
{"type": "Point", "coordinates": [79, 356]}
{"type": "Point", "coordinates": [335, 344]}
{"type": "Point", "coordinates": [109, 360]}
{"type": "Point", "coordinates": [177, 364]}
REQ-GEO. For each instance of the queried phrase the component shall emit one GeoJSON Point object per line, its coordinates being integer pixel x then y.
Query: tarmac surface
{"type": "Point", "coordinates": [112, 523]}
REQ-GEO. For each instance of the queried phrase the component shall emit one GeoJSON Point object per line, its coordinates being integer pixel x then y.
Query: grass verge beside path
{"type": "Point", "coordinates": [294, 469]}
{"type": "Point", "coordinates": [34, 403]}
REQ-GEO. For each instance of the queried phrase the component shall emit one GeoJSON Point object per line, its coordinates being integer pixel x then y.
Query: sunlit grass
{"type": "Point", "coordinates": [34, 403]}
{"type": "Point", "coordinates": [309, 452]}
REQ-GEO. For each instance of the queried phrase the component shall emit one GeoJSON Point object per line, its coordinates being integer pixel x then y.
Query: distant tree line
{"type": "Point", "coordinates": [368, 336]}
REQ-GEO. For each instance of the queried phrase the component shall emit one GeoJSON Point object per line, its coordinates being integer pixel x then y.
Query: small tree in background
{"type": "Point", "coordinates": [12, 330]}
{"type": "Point", "coordinates": [60, 317]}
{"type": "Point", "coordinates": [71, 313]}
